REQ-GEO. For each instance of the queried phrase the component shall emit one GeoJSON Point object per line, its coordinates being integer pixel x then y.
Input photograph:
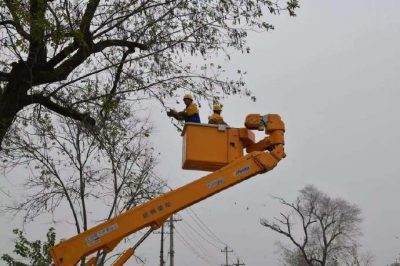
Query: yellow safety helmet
{"type": "Point", "coordinates": [188, 96]}
{"type": "Point", "coordinates": [217, 107]}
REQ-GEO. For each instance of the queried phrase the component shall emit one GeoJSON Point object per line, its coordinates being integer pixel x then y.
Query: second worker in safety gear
{"type": "Point", "coordinates": [216, 117]}
{"type": "Point", "coordinates": [191, 112]}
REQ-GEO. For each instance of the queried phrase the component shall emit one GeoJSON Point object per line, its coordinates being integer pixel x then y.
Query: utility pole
{"type": "Point", "coordinates": [171, 239]}
{"type": "Point", "coordinates": [238, 263]}
{"type": "Point", "coordinates": [162, 246]}
{"type": "Point", "coordinates": [226, 251]}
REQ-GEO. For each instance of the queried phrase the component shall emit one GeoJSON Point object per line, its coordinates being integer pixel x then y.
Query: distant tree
{"type": "Point", "coordinates": [60, 54]}
{"type": "Point", "coordinates": [292, 257]}
{"type": "Point", "coordinates": [396, 263]}
{"type": "Point", "coordinates": [30, 253]}
{"type": "Point", "coordinates": [356, 258]}
{"type": "Point", "coordinates": [95, 175]}
{"type": "Point", "coordinates": [323, 230]}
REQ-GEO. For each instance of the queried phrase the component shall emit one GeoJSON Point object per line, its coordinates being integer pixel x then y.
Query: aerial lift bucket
{"type": "Point", "coordinates": [210, 147]}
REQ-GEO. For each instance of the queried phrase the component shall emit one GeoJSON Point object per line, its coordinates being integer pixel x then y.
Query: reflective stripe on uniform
{"type": "Point", "coordinates": [192, 109]}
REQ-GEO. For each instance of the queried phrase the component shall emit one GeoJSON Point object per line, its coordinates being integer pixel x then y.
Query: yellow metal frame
{"type": "Point", "coordinates": [153, 213]}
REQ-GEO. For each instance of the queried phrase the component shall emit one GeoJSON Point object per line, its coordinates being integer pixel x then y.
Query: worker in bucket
{"type": "Point", "coordinates": [191, 112]}
{"type": "Point", "coordinates": [216, 117]}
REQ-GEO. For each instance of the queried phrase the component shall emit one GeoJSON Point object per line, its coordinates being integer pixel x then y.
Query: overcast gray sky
{"type": "Point", "coordinates": [332, 73]}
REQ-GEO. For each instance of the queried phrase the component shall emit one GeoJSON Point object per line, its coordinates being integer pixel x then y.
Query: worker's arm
{"type": "Point", "coordinates": [154, 212]}
{"type": "Point", "coordinates": [177, 115]}
{"type": "Point", "coordinates": [189, 111]}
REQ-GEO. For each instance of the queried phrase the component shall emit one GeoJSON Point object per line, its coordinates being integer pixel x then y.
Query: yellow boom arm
{"type": "Point", "coordinates": [153, 213]}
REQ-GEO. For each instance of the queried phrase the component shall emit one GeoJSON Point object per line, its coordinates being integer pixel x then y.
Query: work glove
{"type": "Point", "coordinates": [171, 113]}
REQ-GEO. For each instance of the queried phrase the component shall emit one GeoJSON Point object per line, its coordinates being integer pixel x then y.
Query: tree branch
{"type": "Point", "coordinates": [37, 47]}
{"type": "Point", "coordinates": [113, 90]}
{"type": "Point", "coordinates": [4, 76]}
{"type": "Point", "coordinates": [62, 55]}
{"type": "Point", "coordinates": [64, 111]}
{"type": "Point", "coordinates": [277, 228]}
{"type": "Point", "coordinates": [11, 5]}
{"type": "Point", "coordinates": [58, 23]}
{"type": "Point", "coordinates": [62, 72]}
{"type": "Point", "coordinates": [17, 27]}
{"type": "Point", "coordinates": [100, 46]}
{"type": "Point", "coordinates": [123, 18]}
{"type": "Point", "coordinates": [305, 222]}
{"type": "Point", "coordinates": [88, 16]}
{"type": "Point", "coordinates": [66, 7]}
{"type": "Point", "coordinates": [333, 237]}
{"type": "Point", "coordinates": [118, 73]}
{"type": "Point", "coordinates": [316, 260]}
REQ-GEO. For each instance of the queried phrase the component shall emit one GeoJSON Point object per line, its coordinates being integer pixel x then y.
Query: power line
{"type": "Point", "coordinates": [197, 242]}
{"type": "Point", "coordinates": [203, 227]}
{"type": "Point", "coordinates": [207, 230]}
{"type": "Point", "coordinates": [201, 236]}
{"type": "Point", "coordinates": [186, 243]}
{"type": "Point", "coordinates": [192, 246]}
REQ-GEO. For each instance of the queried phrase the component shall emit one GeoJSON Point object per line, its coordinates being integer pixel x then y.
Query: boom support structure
{"type": "Point", "coordinates": [153, 213]}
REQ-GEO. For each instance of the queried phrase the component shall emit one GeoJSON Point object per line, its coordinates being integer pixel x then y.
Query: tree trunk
{"type": "Point", "coordinates": [14, 97]}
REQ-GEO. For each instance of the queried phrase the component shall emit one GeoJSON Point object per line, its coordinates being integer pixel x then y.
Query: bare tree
{"type": "Point", "coordinates": [356, 258]}
{"type": "Point", "coordinates": [84, 171]}
{"type": "Point", "coordinates": [52, 53]}
{"type": "Point", "coordinates": [324, 230]}
{"type": "Point", "coordinates": [352, 257]}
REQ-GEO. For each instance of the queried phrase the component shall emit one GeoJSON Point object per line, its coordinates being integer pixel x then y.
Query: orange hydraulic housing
{"type": "Point", "coordinates": [210, 147]}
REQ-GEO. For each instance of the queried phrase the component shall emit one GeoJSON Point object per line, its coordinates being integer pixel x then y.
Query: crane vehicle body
{"type": "Point", "coordinates": [205, 147]}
